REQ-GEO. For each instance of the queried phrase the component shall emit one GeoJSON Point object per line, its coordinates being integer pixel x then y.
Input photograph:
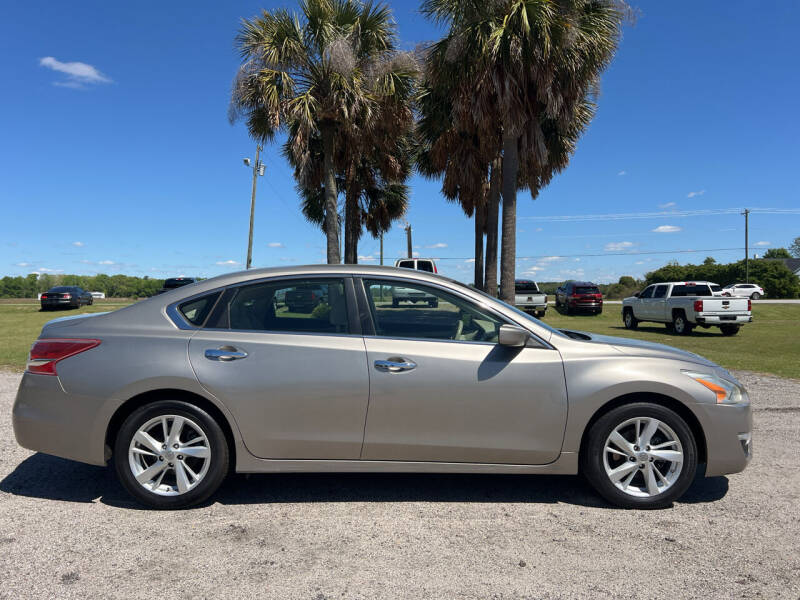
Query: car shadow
{"type": "Point", "coordinates": [50, 478]}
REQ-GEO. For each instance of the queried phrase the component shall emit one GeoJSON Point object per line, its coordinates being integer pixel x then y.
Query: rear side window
{"type": "Point", "coordinates": [698, 290]}
{"type": "Point", "coordinates": [196, 311]}
{"type": "Point", "coordinates": [294, 306]}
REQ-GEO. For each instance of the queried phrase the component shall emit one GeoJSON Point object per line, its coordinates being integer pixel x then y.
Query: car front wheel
{"type": "Point", "coordinates": [171, 454]}
{"type": "Point", "coordinates": [640, 455]}
{"type": "Point", "coordinates": [630, 321]}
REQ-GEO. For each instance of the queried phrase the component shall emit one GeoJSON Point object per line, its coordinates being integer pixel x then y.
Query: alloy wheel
{"type": "Point", "coordinates": [169, 455]}
{"type": "Point", "coordinates": [643, 457]}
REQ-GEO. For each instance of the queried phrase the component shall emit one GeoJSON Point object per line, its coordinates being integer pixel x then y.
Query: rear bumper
{"type": "Point", "coordinates": [47, 419]}
{"type": "Point", "coordinates": [48, 303]}
{"type": "Point", "coordinates": [722, 320]}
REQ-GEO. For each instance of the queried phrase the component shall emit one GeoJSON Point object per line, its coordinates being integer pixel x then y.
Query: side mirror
{"type": "Point", "coordinates": [636, 295]}
{"type": "Point", "coordinates": [512, 336]}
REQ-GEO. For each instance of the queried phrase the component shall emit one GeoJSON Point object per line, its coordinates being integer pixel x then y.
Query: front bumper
{"type": "Point", "coordinates": [47, 419]}
{"type": "Point", "coordinates": [728, 430]}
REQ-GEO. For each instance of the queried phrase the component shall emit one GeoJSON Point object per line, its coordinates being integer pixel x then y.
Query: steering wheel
{"type": "Point", "coordinates": [459, 329]}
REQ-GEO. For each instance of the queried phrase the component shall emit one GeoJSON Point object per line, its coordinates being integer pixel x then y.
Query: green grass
{"type": "Point", "coordinates": [771, 344]}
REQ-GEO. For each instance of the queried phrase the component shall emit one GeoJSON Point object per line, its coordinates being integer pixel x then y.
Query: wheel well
{"type": "Point", "coordinates": [681, 409]}
{"type": "Point", "coordinates": [124, 411]}
{"type": "Point", "coordinates": [678, 311]}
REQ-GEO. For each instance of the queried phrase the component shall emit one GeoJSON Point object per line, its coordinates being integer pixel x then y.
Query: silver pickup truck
{"type": "Point", "coordinates": [683, 305]}
{"type": "Point", "coordinates": [528, 297]}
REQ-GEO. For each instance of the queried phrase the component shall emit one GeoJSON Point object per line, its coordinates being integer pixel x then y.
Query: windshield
{"type": "Point", "coordinates": [525, 316]}
{"type": "Point", "coordinates": [585, 289]}
{"type": "Point", "coordinates": [716, 288]}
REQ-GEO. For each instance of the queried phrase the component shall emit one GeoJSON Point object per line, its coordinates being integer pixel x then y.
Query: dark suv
{"type": "Point", "coordinates": [175, 282]}
{"type": "Point", "coordinates": [577, 296]}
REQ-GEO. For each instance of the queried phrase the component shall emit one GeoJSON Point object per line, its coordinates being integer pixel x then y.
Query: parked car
{"type": "Point", "coordinates": [684, 305]}
{"type": "Point", "coordinates": [404, 294]}
{"type": "Point", "coordinates": [577, 296]}
{"type": "Point", "coordinates": [743, 290]}
{"type": "Point", "coordinates": [716, 289]}
{"type": "Point", "coordinates": [98, 295]}
{"type": "Point", "coordinates": [528, 297]}
{"type": "Point", "coordinates": [304, 298]}
{"type": "Point", "coordinates": [178, 389]}
{"type": "Point", "coordinates": [176, 282]}
{"type": "Point", "coordinates": [65, 296]}
{"type": "Point", "coordinates": [418, 264]}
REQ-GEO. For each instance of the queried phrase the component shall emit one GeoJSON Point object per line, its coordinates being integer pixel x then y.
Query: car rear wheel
{"type": "Point", "coordinates": [680, 325]}
{"type": "Point", "coordinates": [630, 321]}
{"type": "Point", "coordinates": [729, 329]}
{"type": "Point", "coordinates": [171, 454]}
{"type": "Point", "coordinates": [755, 296]}
{"type": "Point", "coordinates": [640, 455]}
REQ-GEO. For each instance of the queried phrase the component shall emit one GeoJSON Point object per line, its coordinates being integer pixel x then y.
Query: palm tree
{"type": "Point", "coordinates": [312, 74]}
{"type": "Point", "coordinates": [529, 71]}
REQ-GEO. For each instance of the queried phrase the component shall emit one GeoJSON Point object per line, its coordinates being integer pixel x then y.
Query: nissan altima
{"type": "Point", "coordinates": [177, 390]}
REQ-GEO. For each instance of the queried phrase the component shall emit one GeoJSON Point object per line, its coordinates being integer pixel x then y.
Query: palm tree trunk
{"type": "Point", "coordinates": [508, 257]}
{"type": "Point", "coordinates": [480, 224]}
{"type": "Point", "coordinates": [493, 209]}
{"type": "Point", "coordinates": [331, 194]}
{"type": "Point", "coordinates": [352, 226]}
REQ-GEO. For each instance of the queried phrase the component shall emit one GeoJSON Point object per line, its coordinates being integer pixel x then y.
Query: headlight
{"type": "Point", "coordinates": [726, 391]}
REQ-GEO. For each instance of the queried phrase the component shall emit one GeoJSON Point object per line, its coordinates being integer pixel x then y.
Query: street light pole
{"type": "Point", "coordinates": [258, 169]}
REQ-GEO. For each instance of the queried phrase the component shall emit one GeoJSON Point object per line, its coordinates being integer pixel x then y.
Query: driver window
{"type": "Point", "coordinates": [410, 310]}
{"type": "Point", "coordinates": [648, 293]}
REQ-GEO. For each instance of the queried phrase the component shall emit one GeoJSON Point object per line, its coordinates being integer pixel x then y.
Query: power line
{"type": "Point", "coordinates": [662, 214]}
{"type": "Point", "coordinates": [552, 257]}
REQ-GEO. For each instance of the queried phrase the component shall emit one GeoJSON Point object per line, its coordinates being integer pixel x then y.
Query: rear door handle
{"type": "Point", "coordinates": [395, 365]}
{"type": "Point", "coordinates": [225, 354]}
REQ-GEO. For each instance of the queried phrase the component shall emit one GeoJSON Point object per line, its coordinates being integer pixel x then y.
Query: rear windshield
{"type": "Point", "coordinates": [526, 286]}
{"type": "Point", "coordinates": [60, 289]}
{"type": "Point", "coordinates": [716, 288]}
{"type": "Point", "coordinates": [425, 265]}
{"type": "Point", "coordinates": [406, 264]}
{"type": "Point", "coordinates": [691, 290]}
{"type": "Point", "coordinates": [586, 289]}
{"type": "Point", "coordinates": [175, 283]}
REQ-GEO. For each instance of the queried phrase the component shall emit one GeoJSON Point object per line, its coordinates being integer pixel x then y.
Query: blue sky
{"type": "Point", "coordinates": [127, 163]}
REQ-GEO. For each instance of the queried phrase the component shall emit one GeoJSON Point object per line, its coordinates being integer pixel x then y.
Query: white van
{"type": "Point", "coordinates": [418, 264]}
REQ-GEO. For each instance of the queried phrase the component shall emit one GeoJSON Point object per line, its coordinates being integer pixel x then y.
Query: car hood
{"type": "Point", "coordinates": [633, 347]}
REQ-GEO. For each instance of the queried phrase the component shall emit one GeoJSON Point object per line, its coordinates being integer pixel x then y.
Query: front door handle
{"type": "Point", "coordinates": [395, 365]}
{"type": "Point", "coordinates": [225, 353]}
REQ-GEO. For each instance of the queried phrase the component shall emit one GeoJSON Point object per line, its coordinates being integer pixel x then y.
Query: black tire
{"type": "Point", "coordinates": [433, 304]}
{"type": "Point", "coordinates": [540, 314]}
{"type": "Point", "coordinates": [395, 303]}
{"type": "Point", "coordinates": [569, 309]}
{"type": "Point", "coordinates": [91, 301]}
{"type": "Point", "coordinates": [219, 454]}
{"type": "Point", "coordinates": [729, 329]}
{"type": "Point", "coordinates": [629, 320]}
{"type": "Point", "coordinates": [593, 468]}
{"type": "Point", "coordinates": [680, 325]}
{"type": "Point", "coordinates": [755, 296]}
{"type": "Point", "coordinates": [599, 312]}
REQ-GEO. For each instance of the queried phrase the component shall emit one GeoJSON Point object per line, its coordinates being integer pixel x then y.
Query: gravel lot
{"type": "Point", "coordinates": [68, 530]}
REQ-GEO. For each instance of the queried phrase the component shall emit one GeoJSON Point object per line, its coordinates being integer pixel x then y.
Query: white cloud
{"type": "Point", "coordinates": [693, 194]}
{"type": "Point", "coordinates": [42, 270]}
{"type": "Point", "coordinates": [666, 229]}
{"type": "Point", "coordinates": [437, 245]}
{"type": "Point", "coordinates": [533, 270]}
{"type": "Point", "coordinates": [78, 244]}
{"type": "Point", "coordinates": [667, 205]}
{"type": "Point", "coordinates": [618, 246]}
{"type": "Point", "coordinates": [23, 264]}
{"type": "Point", "coordinates": [78, 74]}
{"type": "Point", "coordinates": [366, 258]}
{"type": "Point", "coordinates": [622, 173]}
{"type": "Point", "coordinates": [275, 245]}
{"type": "Point", "coordinates": [470, 260]}
{"type": "Point", "coordinates": [548, 259]}
{"type": "Point", "coordinates": [639, 262]}
{"type": "Point", "coordinates": [763, 244]}
{"type": "Point", "coordinates": [106, 262]}
{"type": "Point", "coordinates": [573, 272]}
{"type": "Point", "coordinates": [227, 262]}
{"type": "Point", "coordinates": [538, 229]}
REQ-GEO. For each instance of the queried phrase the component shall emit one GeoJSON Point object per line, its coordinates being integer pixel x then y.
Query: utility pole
{"type": "Point", "coordinates": [408, 239]}
{"type": "Point", "coordinates": [746, 214]}
{"type": "Point", "coordinates": [258, 169]}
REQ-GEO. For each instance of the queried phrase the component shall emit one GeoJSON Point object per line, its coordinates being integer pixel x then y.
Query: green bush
{"type": "Point", "coordinates": [321, 311]}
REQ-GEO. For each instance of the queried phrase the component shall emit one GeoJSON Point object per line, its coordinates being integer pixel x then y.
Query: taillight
{"type": "Point", "coordinates": [46, 353]}
{"type": "Point", "coordinates": [66, 296]}
{"type": "Point", "coordinates": [698, 306]}
{"type": "Point", "coordinates": [599, 296]}
{"type": "Point", "coordinates": [44, 296]}
{"type": "Point", "coordinates": [749, 304]}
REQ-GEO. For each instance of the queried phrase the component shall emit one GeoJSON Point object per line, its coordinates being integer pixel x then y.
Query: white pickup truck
{"type": "Point", "coordinates": [528, 297]}
{"type": "Point", "coordinates": [683, 305]}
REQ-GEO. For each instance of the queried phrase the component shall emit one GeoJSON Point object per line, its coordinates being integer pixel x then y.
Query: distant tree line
{"type": "Point", "coordinates": [113, 286]}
